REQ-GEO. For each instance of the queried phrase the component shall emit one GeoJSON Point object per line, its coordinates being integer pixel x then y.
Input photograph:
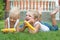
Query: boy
{"type": "Point", "coordinates": [13, 20]}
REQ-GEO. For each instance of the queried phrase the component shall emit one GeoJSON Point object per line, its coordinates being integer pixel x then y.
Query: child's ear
{"type": "Point", "coordinates": [35, 18]}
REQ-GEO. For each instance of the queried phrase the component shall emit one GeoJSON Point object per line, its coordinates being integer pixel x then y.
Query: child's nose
{"type": "Point", "coordinates": [12, 20]}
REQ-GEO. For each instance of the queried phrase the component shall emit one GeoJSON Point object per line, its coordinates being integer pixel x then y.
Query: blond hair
{"type": "Point", "coordinates": [14, 12]}
{"type": "Point", "coordinates": [34, 13]}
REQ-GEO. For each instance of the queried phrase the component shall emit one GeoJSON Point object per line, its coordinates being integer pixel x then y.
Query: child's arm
{"type": "Point", "coordinates": [31, 28]}
{"type": "Point", "coordinates": [37, 27]}
{"type": "Point", "coordinates": [17, 27]}
{"type": "Point", "coordinates": [6, 23]}
{"type": "Point", "coordinates": [29, 25]}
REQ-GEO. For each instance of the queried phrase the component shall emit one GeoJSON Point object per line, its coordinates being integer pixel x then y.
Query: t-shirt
{"type": "Point", "coordinates": [42, 27]}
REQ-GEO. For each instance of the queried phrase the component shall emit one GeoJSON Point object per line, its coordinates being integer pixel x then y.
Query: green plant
{"type": "Point", "coordinates": [1, 9]}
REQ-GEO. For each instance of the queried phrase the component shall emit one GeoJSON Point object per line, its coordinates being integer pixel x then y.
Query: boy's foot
{"type": "Point", "coordinates": [40, 9]}
{"type": "Point", "coordinates": [54, 12]}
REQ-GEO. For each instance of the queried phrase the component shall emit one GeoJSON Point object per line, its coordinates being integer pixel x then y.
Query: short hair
{"type": "Point", "coordinates": [14, 11]}
{"type": "Point", "coordinates": [34, 13]}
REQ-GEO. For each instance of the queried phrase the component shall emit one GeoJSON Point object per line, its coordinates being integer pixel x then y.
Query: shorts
{"type": "Point", "coordinates": [51, 27]}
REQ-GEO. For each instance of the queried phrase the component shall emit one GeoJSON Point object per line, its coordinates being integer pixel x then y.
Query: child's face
{"type": "Point", "coordinates": [13, 18]}
{"type": "Point", "coordinates": [29, 17]}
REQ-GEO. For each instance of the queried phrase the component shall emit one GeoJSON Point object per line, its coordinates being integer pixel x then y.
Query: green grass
{"type": "Point", "coordinates": [51, 35]}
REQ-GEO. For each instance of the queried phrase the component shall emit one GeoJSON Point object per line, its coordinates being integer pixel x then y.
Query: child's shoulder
{"type": "Point", "coordinates": [7, 19]}
{"type": "Point", "coordinates": [37, 22]}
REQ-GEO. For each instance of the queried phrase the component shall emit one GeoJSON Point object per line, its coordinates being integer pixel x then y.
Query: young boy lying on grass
{"type": "Point", "coordinates": [34, 18]}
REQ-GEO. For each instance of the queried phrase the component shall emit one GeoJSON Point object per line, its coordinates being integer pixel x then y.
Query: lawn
{"type": "Point", "coordinates": [52, 35]}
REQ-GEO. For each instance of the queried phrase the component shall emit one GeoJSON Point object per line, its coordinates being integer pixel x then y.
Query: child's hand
{"type": "Point", "coordinates": [25, 23]}
{"type": "Point", "coordinates": [31, 21]}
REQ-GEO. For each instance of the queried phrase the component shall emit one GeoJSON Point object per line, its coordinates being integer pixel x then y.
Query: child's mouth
{"type": "Point", "coordinates": [27, 20]}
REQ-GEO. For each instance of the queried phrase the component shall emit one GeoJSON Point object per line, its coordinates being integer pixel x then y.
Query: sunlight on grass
{"type": "Point", "coordinates": [52, 35]}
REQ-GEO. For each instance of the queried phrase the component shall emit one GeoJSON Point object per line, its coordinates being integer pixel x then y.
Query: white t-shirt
{"type": "Point", "coordinates": [43, 27]}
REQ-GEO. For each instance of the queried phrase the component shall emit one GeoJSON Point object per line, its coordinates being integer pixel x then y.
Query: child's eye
{"type": "Point", "coordinates": [11, 18]}
{"type": "Point", "coordinates": [14, 19]}
{"type": "Point", "coordinates": [29, 15]}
